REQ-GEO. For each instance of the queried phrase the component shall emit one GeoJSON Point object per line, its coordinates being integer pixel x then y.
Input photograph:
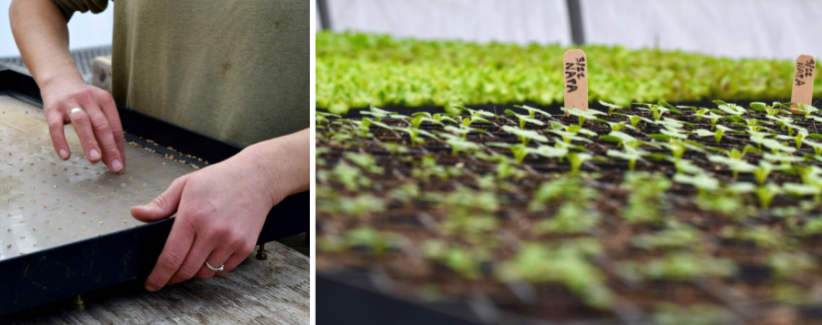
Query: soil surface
{"type": "Point", "coordinates": [476, 202]}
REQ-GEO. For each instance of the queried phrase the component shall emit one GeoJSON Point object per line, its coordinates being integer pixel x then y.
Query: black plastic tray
{"type": "Point", "coordinates": [125, 256]}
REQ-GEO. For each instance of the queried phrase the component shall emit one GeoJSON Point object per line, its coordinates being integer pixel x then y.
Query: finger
{"type": "Point", "coordinates": [105, 138]}
{"type": "Point", "coordinates": [217, 258]}
{"type": "Point", "coordinates": [109, 109]}
{"type": "Point", "coordinates": [82, 125]}
{"type": "Point", "coordinates": [163, 206]}
{"type": "Point", "coordinates": [174, 253]}
{"type": "Point", "coordinates": [194, 260]}
{"type": "Point", "coordinates": [239, 255]}
{"type": "Point", "coordinates": [233, 262]}
{"type": "Point", "coordinates": [57, 123]}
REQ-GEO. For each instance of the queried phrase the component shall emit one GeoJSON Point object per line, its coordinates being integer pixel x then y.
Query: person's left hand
{"type": "Point", "coordinates": [220, 212]}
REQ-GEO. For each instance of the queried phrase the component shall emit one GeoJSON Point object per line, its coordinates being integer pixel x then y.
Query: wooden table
{"type": "Point", "coordinates": [272, 291]}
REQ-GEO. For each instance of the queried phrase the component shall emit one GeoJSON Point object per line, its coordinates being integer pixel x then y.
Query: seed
{"type": "Point", "coordinates": [9, 245]}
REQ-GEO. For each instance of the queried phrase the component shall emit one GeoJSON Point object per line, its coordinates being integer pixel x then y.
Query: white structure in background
{"type": "Point", "coordinates": [519, 21]}
{"type": "Point", "coordinates": [85, 30]}
{"type": "Point", "coordinates": [780, 29]}
{"type": "Point", "coordinates": [771, 29]}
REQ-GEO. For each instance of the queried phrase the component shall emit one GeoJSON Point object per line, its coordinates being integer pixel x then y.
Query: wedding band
{"type": "Point", "coordinates": [75, 110]}
{"type": "Point", "coordinates": [218, 269]}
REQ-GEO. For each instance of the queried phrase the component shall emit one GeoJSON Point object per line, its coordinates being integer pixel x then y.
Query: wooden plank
{"type": "Point", "coordinates": [274, 291]}
{"type": "Point", "coordinates": [804, 73]}
{"type": "Point", "coordinates": [575, 70]}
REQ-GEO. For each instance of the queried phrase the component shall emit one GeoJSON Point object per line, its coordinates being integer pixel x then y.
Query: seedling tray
{"type": "Point", "coordinates": [406, 227]}
{"type": "Point", "coordinates": [67, 229]}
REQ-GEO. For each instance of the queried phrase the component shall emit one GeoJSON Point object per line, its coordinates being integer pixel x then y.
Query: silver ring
{"type": "Point", "coordinates": [217, 269]}
{"type": "Point", "coordinates": [75, 110]}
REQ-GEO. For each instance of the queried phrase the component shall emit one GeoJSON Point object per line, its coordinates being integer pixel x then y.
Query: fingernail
{"type": "Point", "coordinates": [63, 153]}
{"type": "Point", "coordinates": [116, 165]}
{"type": "Point", "coordinates": [151, 288]}
{"type": "Point", "coordinates": [93, 154]}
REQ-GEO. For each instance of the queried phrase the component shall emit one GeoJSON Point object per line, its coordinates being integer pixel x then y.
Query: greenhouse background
{"type": "Point", "coordinates": [767, 29]}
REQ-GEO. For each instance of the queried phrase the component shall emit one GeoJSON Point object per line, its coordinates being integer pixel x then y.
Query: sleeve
{"type": "Point", "coordinates": [68, 7]}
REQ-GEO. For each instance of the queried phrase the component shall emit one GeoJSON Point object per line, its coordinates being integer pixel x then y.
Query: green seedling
{"type": "Point", "coordinates": [678, 266]}
{"type": "Point", "coordinates": [696, 314]}
{"type": "Point", "coordinates": [676, 147]}
{"type": "Point", "coordinates": [462, 130]}
{"type": "Point", "coordinates": [590, 114]}
{"type": "Point", "coordinates": [619, 126]}
{"type": "Point", "coordinates": [735, 164]}
{"type": "Point", "coordinates": [732, 109]}
{"type": "Point", "coordinates": [359, 206]}
{"type": "Point", "coordinates": [435, 118]}
{"type": "Point", "coordinates": [678, 235]}
{"type": "Point", "coordinates": [365, 161]}
{"type": "Point", "coordinates": [567, 137]}
{"type": "Point", "coordinates": [611, 107]}
{"type": "Point", "coordinates": [323, 118]}
{"type": "Point", "coordinates": [379, 114]}
{"type": "Point", "coordinates": [467, 121]}
{"type": "Point", "coordinates": [712, 117]}
{"type": "Point", "coordinates": [646, 197]}
{"type": "Point", "coordinates": [702, 182]}
{"type": "Point", "coordinates": [523, 119]}
{"type": "Point", "coordinates": [405, 193]}
{"type": "Point", "coordinates": [759, 235]}
{"type": "Point", "coordinates": [463, 261]}
{"type": "Point", "coordinates": [379, 243]}
{"type": "Point", "coordinates": [621, 139]}
{"type": "Point", "coordinates": [525, 135]}
{"type": "Point", "coordinates": [539, 264]}
{"type": "Point", "coordinates": [787, 265]}
{"type": "Point", "coordinates": [459, 144]}
{"type": "Point", "coordinates": [576, 160]}
{"type": "Point", "coordinates": [532, 111]}
{"type": "Point", "coordinates": [570, 219]}
{"type": "Point", "coordinates": [806, 110]}
{"type": "Point", "coordinates": [670, 107]}
{"type": "Point", "coordinates": [687, 167]}
{"type": "Point", "coordinates": [629, 154]}
{"type": "Point", "coordinates": [817, 147]}
{"type": "Point", "coordinates": [766, 193]}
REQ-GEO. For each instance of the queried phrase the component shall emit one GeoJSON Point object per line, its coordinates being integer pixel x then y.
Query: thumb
{"type": "Point", "coordinates": [163, 206]}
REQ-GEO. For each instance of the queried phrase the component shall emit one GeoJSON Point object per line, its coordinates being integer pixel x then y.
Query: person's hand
{"type": "Point", "coordinates": [220, 212]}
{"type": "Point", "coordinates": [97, 125]}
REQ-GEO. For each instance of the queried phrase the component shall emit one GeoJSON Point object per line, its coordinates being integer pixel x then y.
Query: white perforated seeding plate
{"type": "Point", "coordinates": [46, 202]}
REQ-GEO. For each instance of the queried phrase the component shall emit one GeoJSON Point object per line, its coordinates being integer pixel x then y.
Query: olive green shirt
{"type": "Point", "coordinates": [235, 70]}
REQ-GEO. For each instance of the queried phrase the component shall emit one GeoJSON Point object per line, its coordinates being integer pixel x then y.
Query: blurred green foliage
{"type": "Point", "coordinates": [358, 70]}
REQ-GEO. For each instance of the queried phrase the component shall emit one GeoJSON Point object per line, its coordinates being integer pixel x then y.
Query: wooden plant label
{"type": "Point", "coordinates": [803, 81]}
{"type": "Point", "coordinates": [576, 79]}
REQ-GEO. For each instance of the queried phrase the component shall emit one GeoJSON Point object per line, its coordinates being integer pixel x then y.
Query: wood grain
{"type": "Point", "coordinates": [274, 291]}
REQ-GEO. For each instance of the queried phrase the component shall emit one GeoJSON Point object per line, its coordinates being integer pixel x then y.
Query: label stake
{"type": "Point", "coordinates": [575, 70]}
{"type": "Point", "coordinates": [803, 81]}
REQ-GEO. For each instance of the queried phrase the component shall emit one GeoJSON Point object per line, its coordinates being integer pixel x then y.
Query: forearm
{"type": "Point", "coordinates": [42, 36]}
{"type": "Point", "coordinates": [282, 164]}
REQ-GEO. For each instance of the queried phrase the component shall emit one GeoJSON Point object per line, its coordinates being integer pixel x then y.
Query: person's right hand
{"type": "Point", "coordinates": [98, 125]}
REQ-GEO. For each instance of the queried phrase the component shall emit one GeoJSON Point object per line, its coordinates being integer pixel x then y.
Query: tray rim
{"type": "Point", "coordinates": [72, 269]}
